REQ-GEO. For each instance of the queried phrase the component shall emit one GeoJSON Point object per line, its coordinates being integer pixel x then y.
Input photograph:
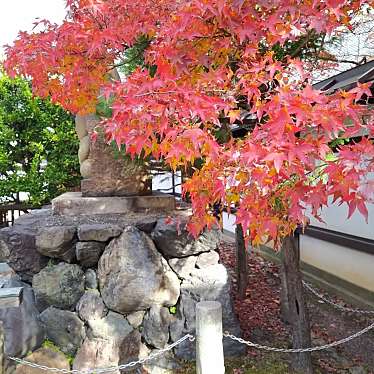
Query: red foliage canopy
{"type": "Point", "coordinates": [211, 54]}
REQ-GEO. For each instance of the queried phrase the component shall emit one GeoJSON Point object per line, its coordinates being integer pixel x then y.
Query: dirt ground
{"type": "Point", "coordinates": [259, 316]}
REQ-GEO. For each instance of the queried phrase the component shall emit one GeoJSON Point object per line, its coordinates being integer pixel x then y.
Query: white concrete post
{"type": "Point", "coordinates": [209, 347]}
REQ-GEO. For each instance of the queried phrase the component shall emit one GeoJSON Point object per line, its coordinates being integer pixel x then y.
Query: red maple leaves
{"type": "Point", "coordinates": [210, 58]}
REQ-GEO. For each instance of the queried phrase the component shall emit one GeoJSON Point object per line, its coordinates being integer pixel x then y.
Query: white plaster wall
{"type": "Point", "coordinates": [335, 218]}
{"type": "Point", "coordinates": [345, 263]}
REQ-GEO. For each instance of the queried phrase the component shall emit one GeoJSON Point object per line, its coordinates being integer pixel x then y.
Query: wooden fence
{"type": "Point", "coordinates": [10, 212]}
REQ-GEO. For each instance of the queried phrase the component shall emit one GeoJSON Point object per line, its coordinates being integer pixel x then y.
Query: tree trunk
{"type": "Point", "coordinates": [294, 307]}
{"type": "Point", "coordinates": [241, 262]}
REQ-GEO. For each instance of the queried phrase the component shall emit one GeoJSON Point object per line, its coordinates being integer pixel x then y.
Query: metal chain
{"type": "Point", "coordinates": [337, 306]}
{"type": "Point", "coordinates": [152, 356]}
{"type": "Point", "coordinates": [300, 350]}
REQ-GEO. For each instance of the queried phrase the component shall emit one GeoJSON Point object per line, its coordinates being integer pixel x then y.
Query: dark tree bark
{"type": "Point", "coordinates": [294, 308]}
{"type": "Point", "coordinates": [241, 262]}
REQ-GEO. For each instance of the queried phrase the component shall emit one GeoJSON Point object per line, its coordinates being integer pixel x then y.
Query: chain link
{"type": "Point", "coordinates": [300, 350]}
{"type": "Point", "coordinates": [337, 306]}
{"type": "Point", "coordinates": [152, 356]}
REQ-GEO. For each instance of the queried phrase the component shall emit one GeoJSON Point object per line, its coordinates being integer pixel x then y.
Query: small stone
{"type": "Point", "coordinates": [156, 326]}
{"type": "Point", "coordinates": [183, 266]}
{"type": "Point", "coordinates": [207, 259]}
{"type": "Point", "coordinates": [91, 282]}
{"type": "Point", "coordinates": [136, 319]}
{"type": "Point", "coordinates": [64, 329]}
{"type": "Point", "coordinates": [59, 285]}
{"type": "Point", "coordinates": [56, 242]}
{"type": "Point", "coordinates": [88, 253]}
{"type": "Point", "coordinates": [46, 357]}
{"type": "Point", "coordinates": [98, 232]}
{"type": "Point", "coordinates": [91, 306]}
{"type": "Point", "coordinates": [96, 353]}
{"type": "Point", "coordinates": [113, 327]}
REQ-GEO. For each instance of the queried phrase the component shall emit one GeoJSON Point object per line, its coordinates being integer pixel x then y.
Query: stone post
{"type": "Point", "coordinates": [209, 346]}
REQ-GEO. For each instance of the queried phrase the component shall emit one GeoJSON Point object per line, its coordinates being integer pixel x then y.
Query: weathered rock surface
{"type": "Point", "coordinates": [23, 331]}
{"type": "Point", "coordinates": [183, 266]}
{"type": "Point", "coordinates": [112, 327]}
{"type": "Point", "coordinates": [56, 242]}
{"type": "Point", "coordinates": [132, 349]}
{"type": "Point", "coordinates": [17, 248]}
{"type": "Point", "coordinates": [91, 281]}
{"type": "Point", "coordinates": [98, 232]}
{"type": "Point", "coordinates": [207, 259]}
{"type": "Point", "coordinates": [164, 364]}
{"type": "Point", "coordinates": [136, 319]}
{"type": "Point", "coordinates": [91, 306]}
{"type": "Point", "coordinates": [64, 329]}
{"type": "Point", "coordinates": [173, 239]}
{"type": "Point", "coordinates": [88, 253]}
{"type": "Point", "coordinates": [46, 357]}
{"type": "Point", "coordinates": [59, 285]}
{"type": "Point", "coordinates": [207, 284]}
{"type": "Point", "coordinates": [147, 225]}
{"type": "Point", "coordinates": [133, 275]}
{"type": "Point", "coordinates": [96, 353]}
{"type": "Point", "coordinates": [156, 326]}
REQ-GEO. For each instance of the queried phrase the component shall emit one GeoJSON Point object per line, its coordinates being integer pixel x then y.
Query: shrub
{"type": "Point", "coordinates": [38, 145]}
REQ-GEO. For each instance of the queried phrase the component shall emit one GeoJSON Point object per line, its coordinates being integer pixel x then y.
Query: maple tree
{"type": "Point", "coordinates": [206, 60]}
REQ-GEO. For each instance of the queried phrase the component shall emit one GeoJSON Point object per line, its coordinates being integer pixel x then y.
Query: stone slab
{"type": "Point", "coordinates": [73, 203]}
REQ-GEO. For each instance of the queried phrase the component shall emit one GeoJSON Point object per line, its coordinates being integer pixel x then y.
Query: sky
{"type": "Point", "coordinates": [16, 15]}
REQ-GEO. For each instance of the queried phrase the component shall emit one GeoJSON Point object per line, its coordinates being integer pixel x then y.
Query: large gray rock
{"type": "Point", "coordinates": [133, 275]}
{"type": "Point", "coordinates": [17, 248]}
{"type": "Point", "coordinates": [207, 284]}
{"type": "Point", "coordinates": [156, 326]}
{"type": "Point", "coordinates": [59, 285]}
{"type": "Point", "coordinates": [98, 232]}
{"type": "Point", "coordinates": [91, 306]}
{"type": "Point", "coordinates": [173, 239]}
{"type": "Point", "coordinates": [64, 329]}
{"type": "Point", "coordinates": [23, 331]}
{"type": "Point", "coordinates": [88, 253]}
{"type": "Point", "coordinates": [56, 242]}
{"type": "Point", "coordinates": [44, 356]}
{"type": "Point", "coordinates": [112, 327]}
{"type": "Point", "coordinates": [97, 353]}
